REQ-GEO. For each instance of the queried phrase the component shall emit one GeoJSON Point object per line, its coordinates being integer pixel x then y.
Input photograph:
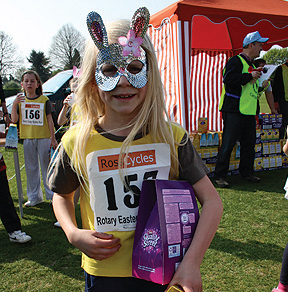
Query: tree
{"type": "Point", "coordinates": [276, 56]}
{"type": "Point", "coordinates": [12, 84]}
{"type": "Point", "coordinates": [40, 64]}
{"type": "Point", "coordinates": [19, 72]}
{"type": "Point", "coordinates": [67, 48]}
{"type": "Point", "coordinates": [9, 60]}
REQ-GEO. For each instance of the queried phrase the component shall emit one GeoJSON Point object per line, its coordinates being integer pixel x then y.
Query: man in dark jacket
{"type": "Point", "coordinates": [238, 106]}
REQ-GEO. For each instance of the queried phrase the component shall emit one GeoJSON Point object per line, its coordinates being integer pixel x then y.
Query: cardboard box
{"type": "Point", "coordinates": [266, 162]}
{"type": "Point", "coordinates": [285, 161]}
{"type": "Point", "coordinates": [258, 164]}
{"type": "Point", "coordinates": [206, 153]}
{"type": "Point", "coordinates": [278, 161]}
{"type": "Point", "coordinates": [202, 125]}
{"type": "Point", "coordinates": [265, 148]}
{"type": "Point", "coordinates": [203, 140]}
{"type": "Point", "coordinates": [272, 148]}
{"type": "Point", "coordinates": [272, 161]}
{"type": "Point", "coordinates": [167, 219]}
{"type": "Point", "coordinates": [278, 148]}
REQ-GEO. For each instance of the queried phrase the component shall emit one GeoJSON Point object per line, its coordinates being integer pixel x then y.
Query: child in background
{"type": "Point", "coordinates": [283, 282]}
{"type": "Point", "coordinates": [65, 113]}
{"type": "Point", "coordinates": [65, 116]}
{"type": "Point", "coordinates": [121, 102]}
{"type": "Point", "coordinates": [37, 129]}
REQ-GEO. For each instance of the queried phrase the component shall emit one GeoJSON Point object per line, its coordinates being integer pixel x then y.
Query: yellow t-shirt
{"type": "Point", "coordinates": [107, 206]}
{"type": "Point", "coordinates": [33, 122]}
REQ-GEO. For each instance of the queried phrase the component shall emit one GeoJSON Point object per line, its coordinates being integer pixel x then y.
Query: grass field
{"type": "Point", "coordinates": [245, 254]}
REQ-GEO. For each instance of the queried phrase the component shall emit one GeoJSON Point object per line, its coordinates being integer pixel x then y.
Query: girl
{"type": "Point", "coordinates": [37, 129]}
{"type": "Point", "coordinates": [120, 98]}
{"type": "Point", "coordinates": [65, 113]}
{"type": "Point", "coordinates": [283, 281]}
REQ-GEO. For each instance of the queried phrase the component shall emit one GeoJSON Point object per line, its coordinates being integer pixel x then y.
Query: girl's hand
{"type": "Point", "coordinates": [188, 277]}
{"type": "Point", "coordinates": [19, 98]}
{"type": "Point", "coordinates": [53, 143]}
{"type": "Point", "coordinates": [69, 99]}
{"type": "Point", "coordinates": [98, 246]}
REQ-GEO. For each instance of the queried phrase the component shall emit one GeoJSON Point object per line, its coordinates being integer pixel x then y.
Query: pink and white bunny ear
{"type": "Point", "coordinates": [140, 21]}
{"type": "Point", "coordinates": [97, 30]}
{"type": "Point", "coordinates": [76, 72]}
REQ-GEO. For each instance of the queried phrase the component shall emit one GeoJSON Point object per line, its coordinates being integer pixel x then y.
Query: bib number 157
{"type": "Point", "coordinates": [130, 201]}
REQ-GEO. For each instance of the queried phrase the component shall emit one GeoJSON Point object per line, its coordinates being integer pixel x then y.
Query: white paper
{"type": "Point", "coordinates": [266, 76]}
{"type": "Point", "coordinates": [286, 189]}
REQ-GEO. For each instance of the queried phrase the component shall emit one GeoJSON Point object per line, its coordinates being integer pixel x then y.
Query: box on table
{"type": "Point", "coordinates": [258, 164]}
{"type": "Point", "coordinates": [202, 125]}
{"type": "Point", "coordinates": [167, 219]}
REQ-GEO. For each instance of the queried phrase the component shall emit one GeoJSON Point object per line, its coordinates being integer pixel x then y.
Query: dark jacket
{"type": "Point", "coordinates": [233, 80]}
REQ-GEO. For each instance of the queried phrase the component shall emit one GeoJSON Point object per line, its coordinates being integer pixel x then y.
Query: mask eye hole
{"type": "Point", "coordinates": [109, 70]}
{"type": "Point", "coordinates": [135, 67]}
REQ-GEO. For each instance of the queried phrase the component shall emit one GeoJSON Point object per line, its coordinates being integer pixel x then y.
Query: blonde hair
{"type": "Point", "coordinates": [151, 116]}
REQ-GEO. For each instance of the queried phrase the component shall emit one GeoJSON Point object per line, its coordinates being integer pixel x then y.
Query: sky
{"type": "Point", "coordinates": [32, 24]}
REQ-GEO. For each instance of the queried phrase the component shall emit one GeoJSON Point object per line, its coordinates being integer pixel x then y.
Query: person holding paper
{"type": "Point", "coordinates": [124, 137]}
{"type": "Point", "coordinates": [280, 93]}
{"type": "Point", "coordinates": [238, 105]}
{"type": "Point", "coordinates": [265, 86]}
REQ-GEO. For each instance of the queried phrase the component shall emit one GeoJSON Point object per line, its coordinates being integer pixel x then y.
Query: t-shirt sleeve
{"type": "Point", "coordinates": [49, 107]}
{"type": "Point", "coordinates": [191, 167]}
{"type": "Point", "coordinates": [61, 177]}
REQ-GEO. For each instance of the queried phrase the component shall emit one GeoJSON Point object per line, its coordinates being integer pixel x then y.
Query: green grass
{"type": "Point", "coordinates": [245, 254]}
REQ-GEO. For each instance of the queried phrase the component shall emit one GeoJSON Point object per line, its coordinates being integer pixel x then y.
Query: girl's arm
{"type": "Point", "coordinates": [14, 115]}
{"type": "Point", "coordinates": [62, 119]}
{"type": "Point", "coordinates": [5, 114]}
{"type": "Point", "coordinates": [95, 245]}
{"type": "Point", "coordinates": [285, 147]}
{"type": "Point", "coordinates": [188, 273]}
{"type": "Point", "coordinates": [51, 128]}
{"type": "Point", "coordinates": [270, 101]}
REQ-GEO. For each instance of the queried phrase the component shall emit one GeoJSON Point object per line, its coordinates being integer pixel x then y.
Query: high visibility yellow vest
{"type": "Point", "coordinates": [249, 94]}
{"type": "Point", "coordinates": [285, 80]}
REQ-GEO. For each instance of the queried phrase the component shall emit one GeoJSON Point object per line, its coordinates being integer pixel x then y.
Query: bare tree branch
{"type": "Point", "coordinates": [9, 60]}
{"type": "Point", "coordinates": [62, 51]}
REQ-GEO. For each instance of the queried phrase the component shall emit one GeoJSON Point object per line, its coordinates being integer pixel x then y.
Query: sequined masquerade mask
{"type": "Point", "coordinates": [126, 58]}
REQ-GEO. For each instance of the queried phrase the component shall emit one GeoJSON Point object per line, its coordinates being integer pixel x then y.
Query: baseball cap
{"type": "Point", "coordinates": [254, 37]}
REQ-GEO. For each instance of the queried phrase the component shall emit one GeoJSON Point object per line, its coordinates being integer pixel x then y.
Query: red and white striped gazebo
{"type": "Point", "coordinates": [193, 41]}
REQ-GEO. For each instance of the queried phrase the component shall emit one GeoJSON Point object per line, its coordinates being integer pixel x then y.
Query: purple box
{"type": "Point", "coordinates": [167, 218]}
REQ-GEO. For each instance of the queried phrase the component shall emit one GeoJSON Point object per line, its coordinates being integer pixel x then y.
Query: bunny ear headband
{"type": "Point", "coordinates": [76, 72]}
{"type": "Point", "coordinates": [120, 55]}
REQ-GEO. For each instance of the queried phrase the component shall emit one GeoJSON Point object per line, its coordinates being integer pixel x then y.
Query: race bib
{"type": "Point", "coordinates": [115, 206]}
{"type": "Point", "coordinates": [32, 113]}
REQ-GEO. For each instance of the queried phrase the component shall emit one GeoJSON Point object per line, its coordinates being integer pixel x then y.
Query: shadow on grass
{"type": "Point", "coordinates": [49, 246]}
{"type": "Point", "coordinates": [272, 181]}
{"type": "Point", "coordinates": [251, 250]}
